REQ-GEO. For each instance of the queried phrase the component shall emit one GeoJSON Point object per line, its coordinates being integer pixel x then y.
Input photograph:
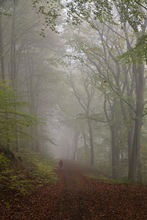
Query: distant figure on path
{"type": "Point", "coordinates": [61, 164]}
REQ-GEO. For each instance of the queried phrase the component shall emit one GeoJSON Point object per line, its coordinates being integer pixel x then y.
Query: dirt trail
{"type": "Point", "coordinates": [76, 197]}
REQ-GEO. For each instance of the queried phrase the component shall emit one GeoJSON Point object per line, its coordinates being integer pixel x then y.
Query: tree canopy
{"type": "Point", "coordinates": [77, 11]}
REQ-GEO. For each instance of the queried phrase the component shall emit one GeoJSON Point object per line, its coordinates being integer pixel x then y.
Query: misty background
{"type": "Point", "coordinates": [73, 96]}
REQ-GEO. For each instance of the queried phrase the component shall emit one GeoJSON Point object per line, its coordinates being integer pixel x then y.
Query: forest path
{"type": "Point", "coordinates": [77, 197]}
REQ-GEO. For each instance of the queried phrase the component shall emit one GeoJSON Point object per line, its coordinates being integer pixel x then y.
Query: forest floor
{"type": "Point", "coordinates": [77, 197]}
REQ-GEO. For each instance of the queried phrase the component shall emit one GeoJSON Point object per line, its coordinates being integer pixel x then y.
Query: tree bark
{"type": "Point", "coordinates": [75, 143]}
{"type": "Point", "coordinates": [13, 77]}
{"type": "Point", "coordinates": [91, 143]}
{"type": "Point", "coordinates": [115, 154]}
{"type": "Point", "coordinates": [86, 148]}
{"type": "Point", "coordinates": [2, 52]}
{"type": "Point", "coordinates": [13, 49]}
{"type": "Point", "coordinates": [133, 165]}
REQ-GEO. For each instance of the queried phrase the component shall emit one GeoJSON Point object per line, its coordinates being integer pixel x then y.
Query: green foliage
{"type": "Point", "coordinates": [13, 123]}
{"type": "Point", "coordinates": [41, 168]}
{"type": "Point", "coordinates": [129, 12]}
{"type": "Point", "coordinates": [50, 10]}
{"type": "Point", "coordinates": [21, 185]}
{"type": "Point", "coordinates": [4, 169]}
{"type": "Point", "coordinates": [4, 162]}
{"type": "Point", "coordinates": [88, 10]}
{"type": "Point", "coordinates": [79, 10]}
{"type": "Point", "coordinates": [11, 116]}
{"type": "Point", "coordinates": [12, 179]}
{"type": "Point", "coordinates": [23, 177]}
{"type": "Point", "coordinates": [138, 53]}
{"type": "Point", "coordinates": [108, 180]}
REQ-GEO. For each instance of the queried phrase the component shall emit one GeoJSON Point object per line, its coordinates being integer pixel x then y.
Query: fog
{"type": "Point", "coordinates": [87, 104]}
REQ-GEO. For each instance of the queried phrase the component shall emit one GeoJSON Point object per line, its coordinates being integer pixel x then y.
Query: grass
{"type": "Point", "coordinates": [109, 180]}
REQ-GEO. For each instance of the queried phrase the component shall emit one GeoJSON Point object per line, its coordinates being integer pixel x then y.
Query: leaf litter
{"type": "Point", "coordinates": [77, 197]}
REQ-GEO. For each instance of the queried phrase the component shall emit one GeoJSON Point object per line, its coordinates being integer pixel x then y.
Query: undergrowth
{"type": "Point", "coordinates": [22, 176]}
{"type": "Point", "coordinates": [109, 180]}
{"type": "Point", "coordinates": [42, 168]}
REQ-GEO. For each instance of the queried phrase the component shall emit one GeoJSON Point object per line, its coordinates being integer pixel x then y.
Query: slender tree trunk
{"type": "Point", "coordinates": [85, 148]}
{"type": "Point", "coordinates": [114, 137]}
{"type": "Point", "coordinates": [2, 52]}
{"type": "Point", "coordinates": [13, 49]}
{"type": "Point", "coordinates": [133, 165]}
{"type": "Point", "coordinates": [75, 143]}
{"type": "Point", "coordinates": [129, 142]}
{"type": "Point", "coordinates": [115, 154]}
{"type": "Point", "coordinates": [13, 76]}
{"type": "Point", "coordinates": [91, 143]}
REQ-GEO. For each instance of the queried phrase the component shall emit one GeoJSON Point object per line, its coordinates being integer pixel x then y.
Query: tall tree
{"type": "Point", "coordinates": [132, 12]}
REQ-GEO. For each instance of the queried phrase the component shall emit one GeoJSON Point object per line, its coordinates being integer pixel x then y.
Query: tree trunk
{"type": "Point", "coordinates": [75, 143]}
{"type": "Point", "coordinates": [91, 143]}
{"type": "Point", "coordinates": [114, 136]}
{"type": "Point", "coordinates": [133, 165]}
{"type": "Point", "coordinates": [1, 52]}
{"type": "Point", "coordinates": [115, 155]}
{"type": "Point", "coordinates": [13, 49]}
{"type": "Point", "coordinates": [129, 142]}
{"type": "Point", "coordinates": [13, 77]}
{"type": "Point", "coordinates": [85, 148]}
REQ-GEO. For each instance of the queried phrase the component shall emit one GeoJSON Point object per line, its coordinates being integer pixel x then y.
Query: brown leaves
{"type": "Point", "coordinates": [77, 197]}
